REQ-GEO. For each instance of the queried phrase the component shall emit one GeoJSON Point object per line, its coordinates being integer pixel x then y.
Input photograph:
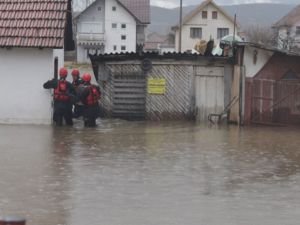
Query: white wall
{"type": "Point", "coordinates": [113, 35]}
{"type": "Point", "coordinates": [252, 68]}
{"type": "Point", "coordinates": [23, 72]}
{"type": "Point", "coordinates": [61, 56]}
{"type": "Point", "coordinates": [209, 28]}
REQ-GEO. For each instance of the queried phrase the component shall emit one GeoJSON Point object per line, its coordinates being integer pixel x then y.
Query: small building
{"type": "Point", "coordinates": [287, 30]}
{"type": "Point", "coordinates": [111, 26]}
{"type": "Point", "coordinates": [157, 87]}
{"type": "Point", "coordinates": [31, 37]}
{"type": "Point", "coordinates": [207, 21]}
{"type": "Point", "coordinates": [267, 81]}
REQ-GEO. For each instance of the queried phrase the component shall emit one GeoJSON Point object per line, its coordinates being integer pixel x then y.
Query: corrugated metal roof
{"type": "Point", "coordinates": [32, 23]}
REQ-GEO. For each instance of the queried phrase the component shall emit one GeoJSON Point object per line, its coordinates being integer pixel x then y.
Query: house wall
{"type": "Point", "coordinates": [209, 28]}
{"type": "Point", "coordinates": [93, 14]}
{"type": "Point", "coordinates": [252, 65]}
{"type": "Point", "coordinates": [23, 99]}
{"type": "Point", "coordinates": [287, 36]}
{"type": "Point", "coordinates": [97, 21]}
{"type": "Point", "coordinates": [113, 35]}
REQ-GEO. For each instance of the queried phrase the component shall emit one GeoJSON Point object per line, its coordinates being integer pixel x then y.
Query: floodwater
{"type": "Point", "coordinates": [139, 173]}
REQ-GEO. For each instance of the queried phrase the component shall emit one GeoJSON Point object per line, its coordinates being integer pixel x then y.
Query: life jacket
{"type": "Point", "coordinates": [93, 97]}
{"type": "Point", "coordinates": [60, 92]}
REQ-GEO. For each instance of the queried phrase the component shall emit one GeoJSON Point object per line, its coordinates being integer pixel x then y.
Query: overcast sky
{"type": "Point", "coordinates": [175, 3]}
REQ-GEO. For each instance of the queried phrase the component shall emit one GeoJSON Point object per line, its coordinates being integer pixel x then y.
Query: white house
{"type": "Point", "coordinates": [205, 22]}
{"type": "Point", "coordinates": [288, 30]}
{"type": "Point", "coordinates": [111, 26]}
{"type": "Point", "coordinates": [31, 36]}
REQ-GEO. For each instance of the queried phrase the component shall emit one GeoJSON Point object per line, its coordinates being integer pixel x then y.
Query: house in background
{"type": "Point", "coordinates": [207, 21]}
{"type": "Point", "coordinates": [111, 26]}
{"type": "Point", "coordinates": [31, 37]}
{"type": "Point", "coordinates": [287, 30]}
{"type": "Point", "coordinates": [159, 43]}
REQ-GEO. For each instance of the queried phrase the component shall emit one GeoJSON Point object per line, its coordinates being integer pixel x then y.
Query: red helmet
{"type": "Point", "coordinates": [75, 72]}
{"type": "Point", "coordinates": [86, 77]}
{"type": "Point", "coordinates": [63, 72]}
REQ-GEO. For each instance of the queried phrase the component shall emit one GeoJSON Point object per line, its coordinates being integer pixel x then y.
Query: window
{"type": "Point", "coordinates": [114, 25]}
{"type": "Point", "coordinates": [196, 32]}
{"type": "Point", "coordinates": [99, 8]}
{"type": "Point", "coordinates": [115, 48]}
{"type": "Point", "coordinates": [204, 14]}
{"type": "Point", "coordinates": [123, 37]}
{"type": "Point", "coordinates": [214, 14]}
{"type": "Point", "coordinates": [114, 8]}
{"type": "Point", "coordinates": [221, 32]}
{"type": "Point", "coordinates": [123, 48]}
{"type": "Point", "coordinates": [297, 31]}
{"type": "Point", "coordinates": [123, 25]}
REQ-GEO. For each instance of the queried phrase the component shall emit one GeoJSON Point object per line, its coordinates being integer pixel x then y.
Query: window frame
{"type": "Point", "coordinates": [214, 15]}
{"type": "Point", "coordinates": [123, 37]}
{"type": "Point", "coordinates": [196, 32]}
{"type": "Point", "coordinates": [221, 31]}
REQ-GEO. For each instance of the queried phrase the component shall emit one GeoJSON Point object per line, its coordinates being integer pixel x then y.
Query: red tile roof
{"type": "Point", "coordinates": [32, 23]}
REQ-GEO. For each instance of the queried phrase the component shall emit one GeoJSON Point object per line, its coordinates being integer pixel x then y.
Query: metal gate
{"type": "Point", "coordinates": [275, 102]}
{"type": "Point", "coordinates": [129, 97]}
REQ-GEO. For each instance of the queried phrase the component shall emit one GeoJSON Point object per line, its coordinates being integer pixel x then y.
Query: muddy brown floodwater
{"type": "Point", "coordinates": [139, 173]}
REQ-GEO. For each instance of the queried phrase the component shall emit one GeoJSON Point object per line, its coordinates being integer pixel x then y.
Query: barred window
{"type": "Point", "coordinates": [196, 32]}
{"type": "Point", "coordinates": [222, 32]}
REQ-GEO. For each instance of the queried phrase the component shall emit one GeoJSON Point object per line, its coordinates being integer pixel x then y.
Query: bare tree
{"type": "Point", "coordinates": [261, 34]}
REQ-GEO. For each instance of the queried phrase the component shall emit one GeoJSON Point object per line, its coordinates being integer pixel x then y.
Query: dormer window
{"type": "Point", "coordinates": [215, 15]}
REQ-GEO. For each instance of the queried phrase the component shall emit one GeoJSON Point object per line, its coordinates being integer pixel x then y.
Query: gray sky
{"type": "Point", "coordinates": [175, 3]}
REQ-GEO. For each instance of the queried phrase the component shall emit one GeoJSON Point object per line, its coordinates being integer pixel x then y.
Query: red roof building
{"type": "Point", "coordinates": [32, 23]}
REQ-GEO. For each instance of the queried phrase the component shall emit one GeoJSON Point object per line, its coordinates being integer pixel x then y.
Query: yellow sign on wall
{"type": "Point", "coordinates": [156, 86]}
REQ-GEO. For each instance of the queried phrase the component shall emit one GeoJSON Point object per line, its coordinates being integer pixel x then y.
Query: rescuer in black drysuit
{"type": "Point", "coordinates": [90, 95]}
{"type": "Point", "coordinates": [64, 95]}
{"type": "Point", "coordinates": [77, 82]}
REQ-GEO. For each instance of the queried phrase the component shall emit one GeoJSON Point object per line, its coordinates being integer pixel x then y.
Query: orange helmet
{"type": "Point", "coordinates": [75, 72]}
{"type": "Point", "coordinates": [63, 72]}
{"type": "Point", "coordinates": [86, 77]}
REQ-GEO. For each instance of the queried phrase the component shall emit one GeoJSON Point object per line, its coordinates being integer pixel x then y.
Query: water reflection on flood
{"type": "Point", "coordinates": [138, 173]}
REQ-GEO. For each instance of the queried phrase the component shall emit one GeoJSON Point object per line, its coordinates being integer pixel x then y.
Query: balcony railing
{"type": "Point", "coordinates": [90, 31]}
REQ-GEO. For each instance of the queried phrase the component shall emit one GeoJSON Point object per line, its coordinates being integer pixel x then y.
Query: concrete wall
{"type": "Point", "coordinates": [23, 99]}
{"type": "Point", "coordinates": [252, 66]}
{"type": "Point", "coordinates": [209, 28]}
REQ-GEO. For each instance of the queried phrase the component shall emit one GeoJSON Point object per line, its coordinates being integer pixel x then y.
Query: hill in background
{"type": "Point", "coordinates": [247, 14]}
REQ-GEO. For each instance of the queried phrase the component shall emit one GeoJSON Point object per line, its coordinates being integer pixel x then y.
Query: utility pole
{"type": "Point", "coordinates": [180, 27]}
